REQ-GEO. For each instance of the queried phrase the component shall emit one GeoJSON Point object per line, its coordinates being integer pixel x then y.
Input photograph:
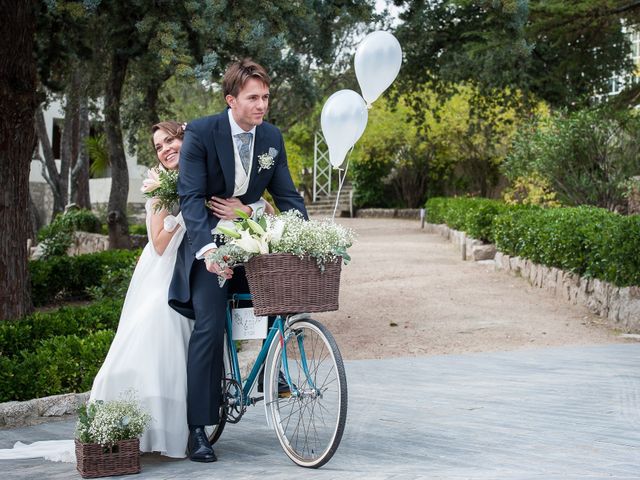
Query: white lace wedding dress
{"type": "Point", "coordinates": [148, 355]}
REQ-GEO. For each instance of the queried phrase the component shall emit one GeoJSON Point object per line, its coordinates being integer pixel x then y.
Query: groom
{"type": "Point", "coordinates": [232, 154]}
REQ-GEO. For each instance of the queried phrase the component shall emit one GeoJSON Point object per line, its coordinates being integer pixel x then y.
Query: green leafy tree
{"type": "Point", "coordinates": [454, 147]}
{"type": "Point", "coordinates": [558, 51]}
{"type": "Point", "coordinates": [585, 156]}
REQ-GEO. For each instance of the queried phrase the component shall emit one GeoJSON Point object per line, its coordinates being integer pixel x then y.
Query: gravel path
{"type": "Point", "coordinates": [408, 293]}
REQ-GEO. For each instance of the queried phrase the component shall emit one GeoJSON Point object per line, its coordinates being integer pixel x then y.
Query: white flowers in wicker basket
{"type": "Point", "coordinates": [288, 232]}
{"type": "Point", "coordinates": [109, 422]}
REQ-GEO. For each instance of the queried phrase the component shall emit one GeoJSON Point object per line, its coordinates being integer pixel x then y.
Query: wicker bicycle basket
{"type": "Point", "coordinates": [282, 283]}
{"type": "Point", "coordinates": [94, 460]}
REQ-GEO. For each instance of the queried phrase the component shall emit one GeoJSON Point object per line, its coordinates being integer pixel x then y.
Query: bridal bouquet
{"type": "Point", "coordinates": [288, 232]}
{"type": "Point", "coordinates": [162, 185]}
{"type": "Point", "coordinates": [107, 423]}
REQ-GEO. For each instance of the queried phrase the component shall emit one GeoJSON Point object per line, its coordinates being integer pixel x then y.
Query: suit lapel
{"type": "Point", "coordinates": [224, 147]}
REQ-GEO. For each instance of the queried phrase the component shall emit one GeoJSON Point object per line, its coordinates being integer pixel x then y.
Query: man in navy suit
{"type": "Point", "coordinates": [234, 154]}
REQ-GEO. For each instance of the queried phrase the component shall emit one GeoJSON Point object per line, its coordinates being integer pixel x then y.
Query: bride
{"type": "Point", "coordinates": [148, 353]}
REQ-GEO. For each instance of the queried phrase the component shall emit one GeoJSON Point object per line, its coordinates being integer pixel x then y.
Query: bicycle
{"type": "Point", "coordinates": [310, 420]}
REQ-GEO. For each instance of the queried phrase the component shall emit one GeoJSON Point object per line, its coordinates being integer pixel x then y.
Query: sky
{"type": "Point", "coordinates": [381, 4]}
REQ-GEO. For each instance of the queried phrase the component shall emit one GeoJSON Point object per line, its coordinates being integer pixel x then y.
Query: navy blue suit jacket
{"type": "Point", "coordinates": [207, 168]}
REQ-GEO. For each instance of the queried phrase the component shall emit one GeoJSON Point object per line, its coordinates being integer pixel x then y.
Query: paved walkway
{"type": "Point", "coordinates": [555, 413]}
{"type": "Point", "coordinates": [551, 412]}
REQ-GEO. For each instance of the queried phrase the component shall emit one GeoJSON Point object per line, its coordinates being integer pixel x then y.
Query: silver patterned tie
{"type": "Point", "coordinates": [244, 149]}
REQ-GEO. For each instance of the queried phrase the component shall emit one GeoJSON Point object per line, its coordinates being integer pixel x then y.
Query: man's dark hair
{"type": "Point", "coordinates": [238, 73]}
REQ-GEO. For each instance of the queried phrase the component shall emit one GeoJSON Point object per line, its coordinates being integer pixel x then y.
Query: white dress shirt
{"type": "Point", "coordinates": [241, 181]}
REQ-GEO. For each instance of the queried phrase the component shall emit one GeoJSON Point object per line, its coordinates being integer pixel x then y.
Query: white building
{"type": "Point", "coordinates": [617, 83]}
{"type": "Point", "coordinates": [99, 188]}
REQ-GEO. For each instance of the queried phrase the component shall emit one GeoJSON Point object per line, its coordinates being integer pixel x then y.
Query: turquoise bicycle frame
{"type": "Point", "coordinates": [276, 329]}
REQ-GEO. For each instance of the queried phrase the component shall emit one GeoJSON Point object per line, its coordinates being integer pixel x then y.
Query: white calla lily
{"type": "Point", "coordinates": [247, 242]}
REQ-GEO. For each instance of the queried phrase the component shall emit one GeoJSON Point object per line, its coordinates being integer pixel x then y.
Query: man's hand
{"type": "Point", "coordinates": [213, 267]}
{"type": "Point", "coordinates": [224, 208]}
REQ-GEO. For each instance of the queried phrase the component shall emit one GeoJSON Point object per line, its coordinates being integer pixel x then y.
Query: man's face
{"type": "Point", "coordinates": [251, 104]}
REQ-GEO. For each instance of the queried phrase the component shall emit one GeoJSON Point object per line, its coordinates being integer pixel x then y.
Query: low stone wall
{"type": "Point", "coordinates": [410, 213]}
{"type": "Point", "coordinates": [38, 410]}
{"type": "Point", "coordinates": [475, 250]}
{"type": "Point", "coordinates": [619, 305]}
{"type": "Point", "coordinates": [85, 242]}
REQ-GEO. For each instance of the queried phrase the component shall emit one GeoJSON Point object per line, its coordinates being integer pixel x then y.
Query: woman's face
{"type": "Point", "coordinates": [167, 148]}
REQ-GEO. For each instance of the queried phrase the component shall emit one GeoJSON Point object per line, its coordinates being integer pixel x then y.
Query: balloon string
{"type": "Point", "coordinates": [341, 182]}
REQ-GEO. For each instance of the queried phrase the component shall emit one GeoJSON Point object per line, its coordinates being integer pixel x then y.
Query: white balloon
{"type": "Point", "coordinates": [343, 120]}
{"type": "Point", "coordinates": [377, 63]}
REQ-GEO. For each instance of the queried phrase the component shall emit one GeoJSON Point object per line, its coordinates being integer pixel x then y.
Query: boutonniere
{"type": "Point", "coordinates": [266, 160]}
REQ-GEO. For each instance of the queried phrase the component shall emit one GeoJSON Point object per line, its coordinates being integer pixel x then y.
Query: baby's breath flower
{"type": "Point", "coordinates": [288, 232]}
{"type": "Point", "coordinates": [109, 422]}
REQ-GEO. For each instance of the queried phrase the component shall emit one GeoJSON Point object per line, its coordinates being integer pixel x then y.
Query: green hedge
{"type": "Point", "coordinates": [589, 241]}
{"type": "Point", "coordinates": [57, 365]}
{"type": "Point", "coordinates": [59, 278]}
{"type": "Point", "coordinates": [26, 333]}
{"type": "Point", "coordinates": [475, 216]}
{"type": "Point", "coordinates": [55, 352]}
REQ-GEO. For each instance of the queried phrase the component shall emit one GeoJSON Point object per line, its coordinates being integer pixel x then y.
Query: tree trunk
{"type": "Point", "coordinates": [117, 210]}
{"type": "Point", "coordinates": [49, 168]}
{"type": "Point", "coordinates": [80, 172]}
{"type": "Point", "coordinates": [68, 140]}
{"type": "Point", "coordinates": [18, 103]}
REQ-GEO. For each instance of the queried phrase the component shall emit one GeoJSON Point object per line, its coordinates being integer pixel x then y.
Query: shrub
{"type": "Point", "coordinates": [56, 238]}
{"type": "Point", "coordinates": [589, 241]}
{"type": "Point", "coordinates": [24, 334]}
{"type": "Point", "coordinates": [70, 277]}
{"type": "Point", "coordinates": [531, 190]}
{"type": "Point", "coordinates": [475, 216]}
{"type": "Point", "coordinates": [58, 365]}
{"type": "Point", "coordinates": [114, 282]}
{"type": "Point", "coordinates": [368, 178]}
{"type": "Point", "coordinates": [585, 157]}
{"type": "Point", "coordinates": [137, 229]}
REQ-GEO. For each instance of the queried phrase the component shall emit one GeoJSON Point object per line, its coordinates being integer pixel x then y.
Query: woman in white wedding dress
{"type": "Point", "coordinates": [149, 351]}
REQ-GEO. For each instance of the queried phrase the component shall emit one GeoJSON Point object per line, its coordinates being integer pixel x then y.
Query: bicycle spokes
{"type": "Point", "coordinates": [310, 422]}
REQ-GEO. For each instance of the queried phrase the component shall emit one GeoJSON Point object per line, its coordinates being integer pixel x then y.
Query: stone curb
{"type": "Point", "coordinates": [411, 213]}
{"type": "Point", "coordinates": [38, 410]}
{"type": "Point", "coordinates": [620, 306]}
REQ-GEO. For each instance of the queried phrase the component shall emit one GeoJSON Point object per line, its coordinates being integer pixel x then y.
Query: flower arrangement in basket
{"type": "Point", "coordinates": [292, 265]}
{"type": "Point", "coordinates": [107, 440]}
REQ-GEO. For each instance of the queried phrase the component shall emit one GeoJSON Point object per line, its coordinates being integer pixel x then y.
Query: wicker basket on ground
{"type": "Point", "coordinates": [283, 283]}
{"type": "Point", "coordinates": [94, 460]}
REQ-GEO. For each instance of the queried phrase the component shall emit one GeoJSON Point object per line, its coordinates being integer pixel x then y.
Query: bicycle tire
{"type": "Point", "coordinates": [309, 426]}
{"type": "Point", "coordinates": [214, 431]}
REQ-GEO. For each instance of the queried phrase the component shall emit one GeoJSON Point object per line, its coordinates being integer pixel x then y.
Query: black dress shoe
{"type": "Point", "coordinates": [199, 447]}
{"type": "Point", "coordinates": [283, 386]}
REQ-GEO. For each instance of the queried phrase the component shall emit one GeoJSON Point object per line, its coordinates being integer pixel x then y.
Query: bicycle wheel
{"type": "Point", "coordinates": [310, 422]}
{"type": "Point", "coordinates": [214, 431]}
